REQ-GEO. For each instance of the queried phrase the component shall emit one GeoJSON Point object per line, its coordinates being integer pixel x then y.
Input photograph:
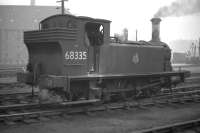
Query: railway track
{"type": "Point", "coordinates": [29, 95]}
{"type": "Point", "coordinates": [23, 106]}
{"type": "Point", "coordinates": [192, 126]}
{"type": "Point", "coordinates": [24, 112]}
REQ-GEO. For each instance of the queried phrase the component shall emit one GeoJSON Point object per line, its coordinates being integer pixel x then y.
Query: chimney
{"type": "Point", "coordinates": [125, 34]}
{"type": "Point", "coordinates": [155, 29]}
{"type": "Point", "coordinates": [32, 2]}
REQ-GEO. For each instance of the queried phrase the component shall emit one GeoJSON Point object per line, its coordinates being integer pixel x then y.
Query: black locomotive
{"type": "Point", "coordinates": [73, 58]}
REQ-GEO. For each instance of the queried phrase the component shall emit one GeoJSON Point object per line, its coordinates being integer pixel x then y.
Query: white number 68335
{"type": "Point", "coordinates": [71, 55]}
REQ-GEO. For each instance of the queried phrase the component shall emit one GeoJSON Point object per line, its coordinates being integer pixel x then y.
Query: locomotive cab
{"type": "Point", "coordinates": [66, 45]}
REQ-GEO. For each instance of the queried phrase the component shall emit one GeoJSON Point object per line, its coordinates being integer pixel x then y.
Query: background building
{"type": "Point", "coordinates": [14, 20]}
{"type": "Point", "coordinates": [179, 58]}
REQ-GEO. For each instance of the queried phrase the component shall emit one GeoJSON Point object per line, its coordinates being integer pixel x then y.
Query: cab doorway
{"type": "Point", "coordinates": [94, 39]}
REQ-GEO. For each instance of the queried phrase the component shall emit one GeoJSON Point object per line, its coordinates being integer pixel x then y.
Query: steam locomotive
{"type": "Point", "coordinates": [73, 58]}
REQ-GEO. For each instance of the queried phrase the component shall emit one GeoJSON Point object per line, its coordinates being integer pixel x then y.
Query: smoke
{"type": "Point", "coordinates": [179, 8]}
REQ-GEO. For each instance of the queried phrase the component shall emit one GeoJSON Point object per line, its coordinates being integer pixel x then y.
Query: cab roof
{"type": "Point", "coordinates": [84, 18]}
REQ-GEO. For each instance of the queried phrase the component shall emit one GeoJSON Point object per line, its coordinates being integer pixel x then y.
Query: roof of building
{"type": "Point", "coordinates": [24, 17]}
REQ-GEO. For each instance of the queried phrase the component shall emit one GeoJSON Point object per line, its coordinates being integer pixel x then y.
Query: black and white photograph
{"type": "Point", "coordinates": [99, 66]}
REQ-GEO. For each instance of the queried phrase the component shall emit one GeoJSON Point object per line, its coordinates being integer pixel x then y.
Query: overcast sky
{"type": "Point", "coordinates": [132, 14]}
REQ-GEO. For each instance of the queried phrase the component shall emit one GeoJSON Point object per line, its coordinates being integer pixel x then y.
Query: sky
{"type": "Point", "coordinates": [130, 14]}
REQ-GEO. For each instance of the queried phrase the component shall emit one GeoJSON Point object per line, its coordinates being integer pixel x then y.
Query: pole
{"type": "Point", "coordinates": [136, 38]}
{"type": "Point", "coordinates": [195, 50]}
{"type": "Point", "coordinates": [62, 6]}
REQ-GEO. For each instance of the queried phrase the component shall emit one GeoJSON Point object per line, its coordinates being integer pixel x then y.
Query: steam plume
{"type": "Point", "coordinates": [179, 8]}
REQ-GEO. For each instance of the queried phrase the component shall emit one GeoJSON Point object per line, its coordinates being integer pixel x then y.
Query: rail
{"type": "Point", "coordinates": [191, 126]}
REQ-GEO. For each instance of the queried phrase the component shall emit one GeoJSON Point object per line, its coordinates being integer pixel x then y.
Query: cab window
{"type": "Point", "coordinates": [94, 34]}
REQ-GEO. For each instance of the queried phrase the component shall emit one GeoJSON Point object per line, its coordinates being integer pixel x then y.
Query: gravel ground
{"type": "Point", "coordinates": [118, 121]}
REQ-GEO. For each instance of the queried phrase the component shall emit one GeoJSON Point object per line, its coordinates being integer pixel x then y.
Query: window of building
{"type": "Point", "coordinates": [19, 35]}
